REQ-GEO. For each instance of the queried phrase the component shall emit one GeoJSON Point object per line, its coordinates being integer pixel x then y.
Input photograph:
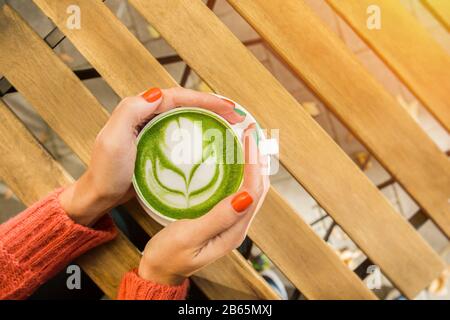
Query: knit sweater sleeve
{"type": "Point", "coordinates": [134, 287]}
{"type": "Point", "coordinates": [40, 241]}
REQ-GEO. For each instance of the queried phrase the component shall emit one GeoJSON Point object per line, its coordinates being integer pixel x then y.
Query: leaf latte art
{"type": "Point", "coordinates": [187, 161]}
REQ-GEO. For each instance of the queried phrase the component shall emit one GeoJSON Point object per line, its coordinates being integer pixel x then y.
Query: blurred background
{"type": "Point", "coordinates": [306, 206]}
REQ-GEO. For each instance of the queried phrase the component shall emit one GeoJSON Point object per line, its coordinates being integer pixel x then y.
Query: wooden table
{"type": "Point", "coordinates": [310, 155]}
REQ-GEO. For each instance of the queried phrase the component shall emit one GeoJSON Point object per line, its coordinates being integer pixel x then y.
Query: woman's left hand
{"type": "Point", "coordinates": [107, 181]}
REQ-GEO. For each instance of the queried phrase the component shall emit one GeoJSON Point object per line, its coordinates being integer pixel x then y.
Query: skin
{"type": "Point", "coordinates": [185, 246]}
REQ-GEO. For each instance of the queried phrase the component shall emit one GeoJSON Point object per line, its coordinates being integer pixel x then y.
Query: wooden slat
{"type": "Point", "coordinates": [32, 173]}
{"type": "Point", "coordinates": [382, 124]}
{"type": "Point", "coordinates": [407, 48]}
{"type": "Point", "coordinates": [441, 10]}
{"type": "Point", "coordinates": [307, 152]}
{"type": "Point", "coordinates": [311, 264]}
{"type": "Point", "coordinates": [73, 112]}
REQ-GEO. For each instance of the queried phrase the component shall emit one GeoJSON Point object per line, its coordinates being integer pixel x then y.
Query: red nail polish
{"type": "Point", "coordinates": [152, 94]}
{"type": "Point", "coordinates": [242, 201]}
{"type": "Point", "coordinates": [231, 103]}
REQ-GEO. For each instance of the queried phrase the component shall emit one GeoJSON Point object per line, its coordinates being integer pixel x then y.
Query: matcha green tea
{"type": "Point", "coordinates": [187, 161]}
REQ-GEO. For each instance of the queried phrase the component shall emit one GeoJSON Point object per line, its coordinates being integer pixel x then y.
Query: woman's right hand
{"type": "Point", "coordinates": [186, 246]}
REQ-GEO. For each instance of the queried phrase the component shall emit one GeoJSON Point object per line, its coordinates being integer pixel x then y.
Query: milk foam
{"type": "Point", "coordinates": [182, 169]}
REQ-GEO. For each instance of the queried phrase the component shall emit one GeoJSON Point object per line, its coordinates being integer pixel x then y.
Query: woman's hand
{"type": "Point", "coordinates": [107, 181]}
{"type": "Point", "coordinates": [185, 246]}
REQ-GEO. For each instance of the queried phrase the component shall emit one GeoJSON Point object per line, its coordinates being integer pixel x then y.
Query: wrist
{"type": "Point", "coordinates": [82, 202]}
{"type": "Point", "coordinates": [148, 272]}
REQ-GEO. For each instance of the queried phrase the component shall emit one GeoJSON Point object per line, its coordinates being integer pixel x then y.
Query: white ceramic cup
{"type": "Point", "coordinates": [238, 130]}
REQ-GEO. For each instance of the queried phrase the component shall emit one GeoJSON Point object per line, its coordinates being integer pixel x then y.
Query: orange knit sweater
{"type": "Point", "coordinates": [40, 241]}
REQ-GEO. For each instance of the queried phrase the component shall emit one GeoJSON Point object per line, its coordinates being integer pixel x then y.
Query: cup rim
{"type": "Point", "coordinates": [152, 122]}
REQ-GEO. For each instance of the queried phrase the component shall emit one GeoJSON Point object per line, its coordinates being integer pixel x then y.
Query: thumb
{"type": "Point", "coordinates": [138, 109]}
{"type": "Point", "coordinates": [223, 216]}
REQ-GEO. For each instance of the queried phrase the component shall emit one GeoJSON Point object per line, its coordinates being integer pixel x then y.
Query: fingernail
{"type": "Point", "coordinates": [239, 112]}
{"type": "Point", "coordinates": [231, 103]}
{"type": "Point", "coordinates": [152, 94]}
{"type": "Point", "coordinates": [242, 201]}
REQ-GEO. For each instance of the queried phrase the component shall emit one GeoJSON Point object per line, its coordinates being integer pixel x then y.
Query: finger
{"type": "Point", "coordinates": [225, 214]}
{"type": "Point", "coordinates": [224, 242]}
{"type": "Point", "coordinates": [252, 170]}
{"type": "Point", "coordinates": [134, 111]}
{"type": "Point", "coordinates": [178, 96]}
{"type": "Point", "coordinates": [227, 240]}
{"type": "Point", "coordinates": [256, 176]}
{"type": "Point", "coordinates": [263, 169]}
